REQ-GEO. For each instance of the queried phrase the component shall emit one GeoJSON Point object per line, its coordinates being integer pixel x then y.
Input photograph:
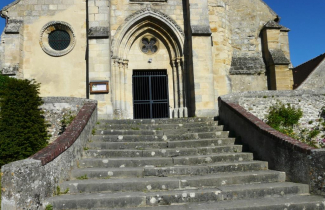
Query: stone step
{"type": "Point", "coordinates": [158, 121]}
{"type": "Point", "coordinates": [163, 161]}
{"type": "Point", "coordinates": [162, 144]}
{"type": "Point", "coordinates": [135, 199]}
{"type": "Point", "coordinates": [174, 152]}
{"type": "Point", "coordinates": [132, 172]}
{"type": "Point", "coordinates": [108, 126]}
{"type": "Point", "coordinates": [164, 137]}
{"type": "Point", "coordinates": [154, 184]}
{"type": "Point", "coordinates": [290, 202]}
{"type": "Point", "coordinates": [137, 131]}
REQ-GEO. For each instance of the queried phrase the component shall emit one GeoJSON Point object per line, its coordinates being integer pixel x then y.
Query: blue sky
{"type": "Point", "coordinates": [306, 19]}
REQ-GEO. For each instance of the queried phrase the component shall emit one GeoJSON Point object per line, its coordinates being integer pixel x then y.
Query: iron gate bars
{"type": "Point", "coordinates": [150, 94]}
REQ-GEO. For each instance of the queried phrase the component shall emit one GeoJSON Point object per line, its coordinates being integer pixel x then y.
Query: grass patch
{"type": "Point", "coordinates": [49, 207]}
{"type": "Point", "coordinates": [58, 191]}
{"type": "Point", "coordinates": [83, 177]}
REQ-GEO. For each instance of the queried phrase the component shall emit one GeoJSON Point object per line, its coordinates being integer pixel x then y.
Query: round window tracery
{"type": "Point", "coordinates": [149, 45]}
{"type": "Point", "coordinates": [57, 38]}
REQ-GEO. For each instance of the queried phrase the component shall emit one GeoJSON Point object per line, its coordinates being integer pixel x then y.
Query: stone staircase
{"type": "Point", "coordinates": [175, 164]}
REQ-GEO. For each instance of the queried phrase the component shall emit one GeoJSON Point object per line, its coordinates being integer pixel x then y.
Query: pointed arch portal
{"type": "Point", "coordinates": [128, 57]}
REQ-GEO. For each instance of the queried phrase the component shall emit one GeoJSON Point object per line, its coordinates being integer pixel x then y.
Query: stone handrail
{"type": "Point", "coordinates": [302, 163]}
{"type": "Point", "coordinates": [26, 184]}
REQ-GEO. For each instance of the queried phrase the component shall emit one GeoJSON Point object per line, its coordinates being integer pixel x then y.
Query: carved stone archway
{"type": "Point", "coordinates": [154, 22]}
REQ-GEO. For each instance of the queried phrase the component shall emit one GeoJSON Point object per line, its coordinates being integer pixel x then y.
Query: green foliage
{"type": "Point", "coordinates": [83, 177]}
{"type": "Point", "coordinates": [93, 131]}
{"type": "Point", "coordinates": [282, 115]}
{"type": "Point", "coordinates": [58, 191]}
{"type": "Point", "coordinates": [66, 121]}
{"type": "Point", "coordinates": [23, 130]}
{"type": "Point", "coordinates": [3, 81]}
{"type": "Point", "coordinates": [49, 207]}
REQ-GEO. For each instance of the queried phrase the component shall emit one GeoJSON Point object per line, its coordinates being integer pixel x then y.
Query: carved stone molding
{"type": "Point", "coordinates": [157, 12]}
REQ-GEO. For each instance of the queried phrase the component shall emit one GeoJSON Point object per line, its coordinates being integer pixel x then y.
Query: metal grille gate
{"type": "Point", "coordinates": [150, 94]}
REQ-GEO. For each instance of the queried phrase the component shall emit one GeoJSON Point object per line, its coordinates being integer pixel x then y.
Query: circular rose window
{"type": "Point", "coordinates": [57, 38]}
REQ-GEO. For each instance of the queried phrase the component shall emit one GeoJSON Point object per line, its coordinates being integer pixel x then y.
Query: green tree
{"type": "Point", "coordinates": [22, 126]}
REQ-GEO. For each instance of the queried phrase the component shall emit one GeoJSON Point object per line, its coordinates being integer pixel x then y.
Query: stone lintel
{"type": "Point", "coordinates": [98, 32]}
{"type": "Point", "coordinates": [201, 30]}
{"type": "Point", "coordinates": [279, 58]}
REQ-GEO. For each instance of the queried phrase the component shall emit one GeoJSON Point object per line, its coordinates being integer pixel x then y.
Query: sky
{"type": "Point", "coordinates": [306, 19]}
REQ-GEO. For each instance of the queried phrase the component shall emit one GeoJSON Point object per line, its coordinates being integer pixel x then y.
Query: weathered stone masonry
{"type": "Point", "coordinates": [209, 48]}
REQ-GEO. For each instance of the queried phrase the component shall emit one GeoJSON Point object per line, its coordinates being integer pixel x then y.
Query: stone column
{"type": "Point", "coordinates": [176, 98]}
{"type": "Point", "coordinates": [121, 86]}
{"type": "Point", "coordinates": [115, 91]}
{"type": "Point", "coordinates": [124, 83]}
{"type": "Point", "coordinates": [181, 88]}
{"type": "Point", "coordinates": [182, 63]}
{"type": "Point", "coordinates": [205, 105]}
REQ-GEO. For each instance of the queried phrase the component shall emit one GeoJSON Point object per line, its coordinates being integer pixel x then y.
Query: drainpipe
{"type": "Point", "coordinates": [87, 51]}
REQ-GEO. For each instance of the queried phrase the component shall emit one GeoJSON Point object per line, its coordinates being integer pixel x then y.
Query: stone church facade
{"type": "Point", "coordinates": [146, 58]}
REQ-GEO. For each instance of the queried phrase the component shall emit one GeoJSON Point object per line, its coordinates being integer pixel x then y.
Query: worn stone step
{"type": "Point", "coordinates": [137, 131]}
{"type": "Point", "coordinates": [173, 152]}
{"type": "Point", "coordinates": [159, 121]}
{"type": "Point", "coordinates": [141, 145]}
{"type": "Point", "coordinates": [108, 126]}
{"type": "Point", "coordinates": [164, 137]}
{"type": "Point", "coordinates": [236, 192]}
{"type": "Point", "coordinates": [151, 184]}
{"type": "Point", "coordinates": [290, 202]}
{"type": "Point", "coordinates": [215, 168]}
{"type": "Point", "coordinates": [163, 161]}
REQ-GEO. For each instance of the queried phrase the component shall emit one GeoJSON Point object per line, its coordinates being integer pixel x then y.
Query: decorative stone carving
{"type": "Point", "coordinates": [162, 15]}
{"type": "Point", "coordinates": [149, 45]}
{"type": "Point", "coordinates": [50, 27]}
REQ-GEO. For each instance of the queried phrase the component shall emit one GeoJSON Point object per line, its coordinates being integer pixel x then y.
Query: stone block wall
{"type": "Point", "coordinates": [310, 102]}
{"type": "Point", "coordinates": [27, 184]}
{"type": "Point", "coordinates": [99, 52]}
{"type": "Point", "coordinates": [55, 108]}
{"type": "Point", "coordinates": [237, 45]}
{"type": "Point", "coordinates": [23, 51]}
{"type": "Point", "coordinates": [301, 162]}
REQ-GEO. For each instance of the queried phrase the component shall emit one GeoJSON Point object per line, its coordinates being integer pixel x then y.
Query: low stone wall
{"type": "Point", "coordinates": [27, 183]}
{"type": "Point", "coordinates": [55, 108]}
{"type": "Point", "coordinates": [301, 162]}
{"type": "Point", "coordinates": [310, 102]}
